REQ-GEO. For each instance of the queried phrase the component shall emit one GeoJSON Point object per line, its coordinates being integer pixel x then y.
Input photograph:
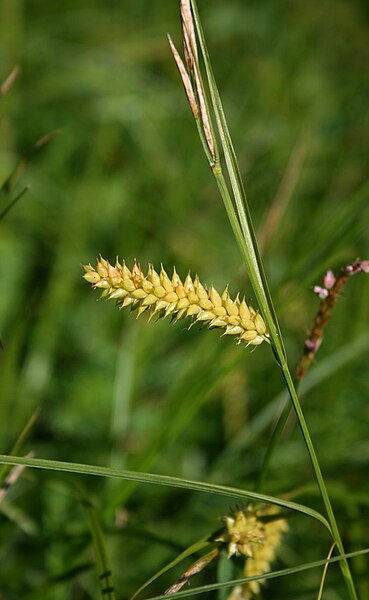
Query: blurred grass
{"type": "Point", "coordinates": [127, 177]}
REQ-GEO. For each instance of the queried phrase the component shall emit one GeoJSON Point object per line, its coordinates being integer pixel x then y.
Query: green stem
{"type": "Point", "coordinates": [319, 477]}
{"type": "Point", "coordinates": [296, 404]}
{"type": "Point", "coordinates": [241, 222]}
{"type": "Point", "coordinates": [278, 350]}
{"type": "Point", "coordinates": [286, 411]}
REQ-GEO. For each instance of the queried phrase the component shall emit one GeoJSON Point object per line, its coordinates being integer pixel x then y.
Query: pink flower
{"type": "Point", "coordinates": [321, 292]}
{"type": "Point", "coordinates": [329, 279]}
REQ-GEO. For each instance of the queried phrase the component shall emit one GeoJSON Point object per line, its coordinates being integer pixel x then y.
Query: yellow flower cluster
{"type": "Point", "coordinates": [162, 296]}
{"type": "Point", "coordinates": [250, 535]}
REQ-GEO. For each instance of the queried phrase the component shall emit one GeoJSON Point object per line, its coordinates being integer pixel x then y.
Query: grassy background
{"type": "Point", "coordinates": [127, 176]}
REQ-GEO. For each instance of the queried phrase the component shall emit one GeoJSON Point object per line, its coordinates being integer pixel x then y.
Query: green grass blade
{"type": "Point", "coordinates": [13, 202]}
{"type": "Point", "coordinates": [272, 575]}
{"type": "Point", "coordinates": [18, 170]}
{"type": "Point", "coordinates": [21, 439]}
{"type": "Point", "coordinates": [185, 554]}
{"type": "Point", "coordinates": [325, 571]}
{"type": "Point", "coordinates": [165, 480]}
{"type": "Point", "coordinates": [260, 287]}
{"type": "Point", "coordinates": [102, 559]}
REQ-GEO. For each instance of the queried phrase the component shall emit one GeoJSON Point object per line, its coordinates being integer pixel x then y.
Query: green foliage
{"type": "Point", "coordinates": [127, 175]}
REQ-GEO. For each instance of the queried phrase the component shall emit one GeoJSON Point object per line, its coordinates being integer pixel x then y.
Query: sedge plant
{"type": "Point", "coordinates": [235, 200]}
{"type": "Point", "coordinates": [254, 531]}
{"type": "Point", "coordinates": [159, 295]}
{"type": "Point", "coordinates": [162, 296]}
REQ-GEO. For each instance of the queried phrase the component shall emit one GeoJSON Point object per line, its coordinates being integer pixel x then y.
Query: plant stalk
{"type": "Point", "coordinates": [240, 219]}
{"type": "Point", "coordinates": [319, 477]}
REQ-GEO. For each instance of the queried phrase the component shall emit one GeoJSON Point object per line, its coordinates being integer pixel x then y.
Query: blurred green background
{"type": "Point", "coordinates": [127, 177]}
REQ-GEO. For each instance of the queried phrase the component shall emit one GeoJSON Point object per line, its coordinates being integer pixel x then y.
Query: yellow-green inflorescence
{"type": "Point", "coordinates": [256, 535]}
{"type": "Point", "coordinates": [159, 295]}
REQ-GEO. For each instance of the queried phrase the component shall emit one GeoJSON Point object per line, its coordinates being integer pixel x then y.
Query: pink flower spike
{"type": "Point", "coordinates": [329, 279]}
{"type": "Point", "coordinates": [321, 292]}
{"type": "Point", "coordinates": [312, 345]}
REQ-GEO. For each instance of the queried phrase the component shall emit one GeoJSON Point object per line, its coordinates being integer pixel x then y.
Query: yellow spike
{"type": "Point", "coordinates": [160, 294]}
{"type": "Point", "coordinates": [200, 290]}
{"type": "Point", "coordinates": [128, 285]}
{"type": "Point", "coordinates": [205, 315]}
{"type": "Point", "coordinates": [233, 330]}
{"type": "Point", "coordinates": [102, 284]}
{"type": "Point", "coordinates": [113, 273]}
{"type": "Point", "coordinates": [171, 297]}
{"type": "Point", "coordinates": [118, 294]}
{"type": "Point", "coordinates": [136, 271]}
{"type": "Point", "coordinates": [233, 320]}
{"type": "Point", "coordinates": [225, 295]}
{"type": "Point", "coordinates": [244, 311]}
{"type": "Point", "coordinates": [260, 325]}
{"type": "Point", "coordinates": [194, 309]}
{"type": "Point", "coordinates": [159, 291]}
{"type": "Point", "coordinates": [248, 324]}
{"type": "Point", "coordinates": [165, 281]}
{"type": "Point", "coordinates": [205, 303]}
{"type": "Point", "coordinates": [180, 291]}
{"type": "Point", "coordinates": [181, 313]}
{"type": "Point", "coordinates": [231, 308]}
{"type": "Point", "coordinates": [249, 336]}
{"type": "Point", "coordinates": [126, 273]}
{"type": "Point", "coordinates": [170, 309]}
{"type": "Point", "coordinates": [87, 268]}
{"type": "Point", "coordinates": [183, 303]}
{"type": "Point", "coordinates": [188, 284]}
{"type": "Point", "coordinates": [153, 276]}
{"type": "Point", "coordinates": [140, 310]}
{"type": "Point", "coordinates": [193, 297]}
{"type": "Point", "coordinates": [149, 300]}
{"type": "Point", "coordinates": [147, 286]}
{"type": "Point", "coordinates": [102, 269]}
{"type": "Point", "coordinates": [218, 323]}
{"type": "Point", "coordinates": [91, 277]}
{"type": "Point", "coordinates": [160, 305]}
{"type": "Point", "coordinates": [220, 311]}
{"type": "Point", "coordinates": [127, 301]}
{"type": "Point", "coordinates": [175, 278]}
{"type": "Point", "coordinates": [103, 262]}
{"type": "Point", "coordinates": [257, 341]}
{"type": "Point", "coordinates": [215, 297]}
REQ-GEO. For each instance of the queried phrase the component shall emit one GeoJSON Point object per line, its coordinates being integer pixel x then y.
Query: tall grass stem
{"type": "Point", "coordinates": [250, 253]}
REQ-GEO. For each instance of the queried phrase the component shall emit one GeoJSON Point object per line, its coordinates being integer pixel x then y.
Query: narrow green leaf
{"type": "Point", "coordinates": [325, 571]}
{"type": "Point", "coordinates": [164, 480]}
{"type": "Point", "coordinates": [185, 554]}
{"type": "Point", "coordinates": [104, 572]}
{"type": "Point", "coordinates": [13, 202]}
{"type": "Point", "coordinates": [258, 280]}
{"type": "Point", "coordinates": [272, 575]}
{"type": "Point", "coordinates": [21, 439]}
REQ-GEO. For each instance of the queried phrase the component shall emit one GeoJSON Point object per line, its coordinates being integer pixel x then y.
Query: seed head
{"type": "Point", "coordinates": [249, 534]}
{"type": "Point", "coordinates": [161, 296]}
